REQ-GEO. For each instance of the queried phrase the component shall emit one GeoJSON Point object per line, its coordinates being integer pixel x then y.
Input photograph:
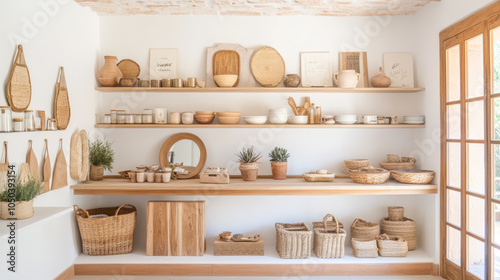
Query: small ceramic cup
{"type": "Point", "coordinates": [175, 118]}
{"type": "Point", "coordinates": [187, 118]}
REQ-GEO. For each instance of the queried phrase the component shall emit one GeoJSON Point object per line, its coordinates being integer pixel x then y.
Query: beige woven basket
{"type": "Point", "coordinates": [364, 248]}
{"type": "Point", "coordinates": [407, 229]}
{"type": "Point", "coordinates": [369, 175]}
{"type": "Point", "coordinates": [406, 163]}
{"type": "Point", "coordinates": [329, 243]}
{"type": "Point", "coordinates": [267, 66]}
{"type": "Point", "coordinates": [392, 246]}
{"type": "Point", "coordinates": [314, 177]}
{"type": "Point", "coordinates": [396, 213]}
{"type": "Point", "coordinates": [293, 241]}
{"type": "Point", "coordinates": [111, 235]}
{"type": "Point", "coordinates": [363, 230]}
{"type": "Point", "coordinates": [355, 164]}
{"type": "Point", "coordinates": [413, 176]}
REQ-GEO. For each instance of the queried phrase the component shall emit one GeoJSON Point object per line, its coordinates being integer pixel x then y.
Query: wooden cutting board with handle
{"type": "Point", "coordinates": [46, 168]}
{"type": "Point", "coordinates": [19, 84]}
{"type": "Point", "coordinates": [62, 110]}
{"type": "Point", "coordinates": [4, 168]}
{"type": "Point", "coordinates": [32, 162]}
{"type": "Point", "coordinates": [227, 62]}
{"type": "Point", "coordinates": [60, 178]}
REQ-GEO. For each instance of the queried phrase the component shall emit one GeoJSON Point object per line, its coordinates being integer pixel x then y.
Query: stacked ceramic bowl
{"type": "Point", "coordinates": [278, 116]}
{"type": "Point", "coordinates": [229, 117]}
{"type": "Point", "coordinates": [204, 117]}
{"type": "Point", "coordinates": [416, 119]}
{"type": "Point", "coordinates": [346, 119]}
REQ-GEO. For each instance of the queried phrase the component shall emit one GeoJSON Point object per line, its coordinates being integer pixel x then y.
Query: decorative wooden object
{"type": "Point", "coordinates": [214, 178]}
{"type": "Point", "coordinates": [227, 62]}
{"type": "Point", "coordinates": [167, 146]}
{"type": "Point", "coordinates": [19, 84]}
{"type": "Point", "coordinates": [245, 78]}
{"type": "Point", "coordinates": [129, 68]}
{"type": "Point", "coordinates": [42, 119]}
{"type": "Point", "coordinates": [4, 168]}
{"type": "Point", "coordinates": [46, 168]}
{"type": "Point", "coordinates": [231, 248]}
{"type": "Point", "coordinates": [268, 67]}
{"type": "Point", "coordinates": [32, 161]}
{"type": "Point", "coordinates": [60, 170]}
{"type": "Point", "coordinates": [62, 110]}
{"type": "Point", "coordinates": [175, 228]}
{"type": "Point", "coordinates": [355, 61]}
{"type": "Point", "coordinates": [79, 156]}
{"type": "Point", "coordinates": [23, 172]}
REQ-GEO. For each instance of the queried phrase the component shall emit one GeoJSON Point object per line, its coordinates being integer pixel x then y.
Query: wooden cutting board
{"type": "Point", "coordinates": [268, 67]}
{"type": "Point", "coordinates": [62, 110]}
{"type": "Point", "coordinates": [227, 62]}
{"type": "Point", "coordinates": [19, 84]}
{"type": "Point", "coordinates": [32, 162]}
{"type": "Point", "coordinates": [4, 168]}
{"type": "Point", "coordinates": [175, 228]}
{"type": "Point", "coordinates": [46, 168]}
{"type": "Point", "coordinates": [79, 156]}
{"type": "Point", "coordinates": [60, 178]}
{"type": "Point", "coordinates": [23, 172]}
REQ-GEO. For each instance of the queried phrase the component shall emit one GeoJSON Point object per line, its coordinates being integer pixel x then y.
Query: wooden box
{"type": "Point", "coordinates": [214, 178]}
{"type": "Point", "coordinates": [175, 228]}
{"type": "Point", "coordinates": [231, 248]}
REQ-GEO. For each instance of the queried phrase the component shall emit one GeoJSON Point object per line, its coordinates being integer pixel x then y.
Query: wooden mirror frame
{"type": "Point", "coordinates": [167, 146]}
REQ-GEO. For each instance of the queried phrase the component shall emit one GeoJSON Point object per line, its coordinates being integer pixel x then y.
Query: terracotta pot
{"type": "Point", "coordinates": [110, 74]}
{"type": "Point", "coordinates": [380, 79]}
{"type": "Point", "coordinates": [249, 171]}
{"type": "Point", "coordinates": [96, 172]}
{"type": "Point", "coordinates": [291, 80]}
{"type": "Point", "coordinates": [279, 170]}
{"type": "Point", "coordinates": [22, 210]}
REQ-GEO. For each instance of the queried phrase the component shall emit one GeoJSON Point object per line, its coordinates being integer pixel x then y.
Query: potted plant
{"type": "Point", "coordinates": [101, 157]}
{"type": "Point", "coordinates": [248, 158]}
{"type": "Point", "coordinates": [17, 202]}
{"type": "Point", "coordinates": [279, 157]}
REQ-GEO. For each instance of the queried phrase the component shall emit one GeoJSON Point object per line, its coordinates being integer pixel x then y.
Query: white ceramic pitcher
{"type": "Point", "coordinates": [346, 78]}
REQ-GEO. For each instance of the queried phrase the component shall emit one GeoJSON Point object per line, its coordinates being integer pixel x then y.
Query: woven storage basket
{"type": "Point", "coordinates": [355, 164]}
{"type": "Point", "coordinates": [413, 177]}
{"type": "Point", "coordinates": [363, 230]}
{"type": "Point", "coordinates": [293, 241]}
{"type": "Point", "coordinates": [329, 243]}
{"type": "Point", "coordinates": [364, 248]}
{"type": "Point", "coordinates": [111, 235]}
{"type": "Point", "coordinates": [369, 175]}
{"type": "Point", "coordinates": [396, 213]}
{"type": "Point", "coordinates": [406, 163]}
{"type": "Point", "coordinates": [392, 246]}
{"type": "Point", "coordinates": [407, 229]}
{"type": "Point", "coordinates": [331, 225]}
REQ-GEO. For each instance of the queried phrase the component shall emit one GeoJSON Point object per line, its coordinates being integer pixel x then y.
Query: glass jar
{"type": "Point", "coordinates": [317, 112]}
{"type": "Point", "coordinates": [137, 118]}
{"type": "Point", "coordinates": [29, 120]}
{"type": "Point", "coordinates": [18, 125]}
{"type": "Point", "coordinates": [147, 116]}
{"type": "Point", "coordinates": [129, 118]}
{"type": "Point", "coordinates": [6, 119]}
{"type": "Point", "coordinates": [114, 116]}
{"type": "Point", "coordinates": [107, 118]}
{"type": "Point", "coordinates": [51, 124]}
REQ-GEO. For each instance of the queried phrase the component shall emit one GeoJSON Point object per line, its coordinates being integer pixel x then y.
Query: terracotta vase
{"type": "Point", "coordinates": [110, 74]}
{"type": "Point", "coordinates": [96, 172]}
{"type": "Point", "coordinates": [279, 170]}
{"type": "Point", "coordinates": [22, 210]}
{"type": "Point", "coordinates": [291, 80]}
{"type": "Point", "coordinates": [249, 171]}
{"type": "Point", "coordinates": [380, 80]}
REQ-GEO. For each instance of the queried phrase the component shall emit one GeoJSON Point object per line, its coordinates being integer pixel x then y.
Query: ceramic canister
{"type": "Point", "coordinates": [175, 118]}
{"type": "Point", "coordinates": [187, 118]}
{"type": "Point", "coordinates": [346, 78]}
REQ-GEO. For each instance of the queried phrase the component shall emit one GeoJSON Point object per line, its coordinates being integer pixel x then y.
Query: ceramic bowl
{"type": "Point", "coordinates": [346, 119]}
{"type": "Point", "coordinates": [128, 82]}
{"type": "Point", "coordinates": [229, 120]}
{"type": "Point", "coordinates": [255, 119]}
{"type": "Point", "coordinates": [204, 119]}
{"type": "Point", "coordinates": [228, 114]}
{"type": "Point", "coordinates": [278, 119]}
{"type": "Point", "coordinates": [225, 80]}
{"type": "Point", "coordinates": [297, 119]}
{"type": "Point", "coordinates": [205, 112]}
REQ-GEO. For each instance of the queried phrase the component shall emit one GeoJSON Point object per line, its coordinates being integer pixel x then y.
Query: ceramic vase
{"type": "Point", "coordinates": [380, 80]}
{"type": "Point", "coordinates": [110, 74]}
{"type": "Point", "coordinates": [346, 78]}
{"type": "Point", "coordinates": [291, 80]}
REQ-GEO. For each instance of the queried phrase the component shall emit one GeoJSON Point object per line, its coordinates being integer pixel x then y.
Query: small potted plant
{"type": "Point", "coordinates": [101, 157]}
{"type": "Point", "coordinates": [17, 202]}
{"type": "Point", "coordinates": [248, 158]}
{"type": "Point", "coordinates": [279, 157]}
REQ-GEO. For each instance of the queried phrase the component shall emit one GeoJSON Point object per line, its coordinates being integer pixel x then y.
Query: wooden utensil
{"type": "Point", "coordinates": [292, 104]}
{"type": "Point", "coordinates": [46, 168]}
{"type": "Point", "coordinates": [4, 168]}
{"type": "Point", "coordinates": [79, 156]}
{"type": "Point", "coordinates": [227, 62]}
{"type": "Point", "coordinates": [19, 84]}
{"type": "Point", "coordinates": [42, 119]}
{"type": "Point", "coordinates": [23, 172]}
{"type": "Point", "coordinates": [60, 170]}
{"type": "Point", "coordinates": [268, 67]}
{"type": "Point", "coordinates": [62, 110]}
{"type": "Point", "coordinates": [32, 162]}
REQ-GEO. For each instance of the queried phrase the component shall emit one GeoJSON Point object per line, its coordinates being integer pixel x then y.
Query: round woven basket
{"type": "Point", "coordinates": [396, 213]}
{"type": "Point", "coordinates": [355, 164]}
{"type": "Point", "coordinates": [363, 230]}
{"type": "Point", "coordinates": [397, 165]}
{"type": "Point", "coordinates": [407, 229]}
{"type": "Point", "coordinates": [413, 177]}
{"type": "Point", "coordinates": [369, 175]}
{"type": "Point", "coordinates": [364, 248]}
{"type": "Point", "coordinates": [393, 158]}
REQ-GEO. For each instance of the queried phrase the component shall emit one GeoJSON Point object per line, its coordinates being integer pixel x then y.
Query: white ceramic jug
{"type": "Point", "coordinates": [346, 78]}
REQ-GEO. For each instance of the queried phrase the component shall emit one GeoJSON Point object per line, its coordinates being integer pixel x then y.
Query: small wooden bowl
{"type": "Point", "coordinates": [205, 112]}
{"type": "Point", "coordinates": [204, 119]}
{"type": "Point", "coordinates": [225, 80]}
{"type": "Point", "coordinates": [229, 120]}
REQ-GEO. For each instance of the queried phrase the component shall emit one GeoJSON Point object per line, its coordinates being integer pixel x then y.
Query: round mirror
{"type": "Point", "coordinates": [185, 149]}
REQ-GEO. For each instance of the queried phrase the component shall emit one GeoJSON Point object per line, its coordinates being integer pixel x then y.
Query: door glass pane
{"type": "Point", "coordinates": [453, 245]}
{"type": "Point", "coordinates": [495, 45]}
{"type": "Point", "coordinates": [475, 257]}
{"type": "Point", "coordinates": [475, 168]}
{"type": "Point", "coordinates": [475, 120]}
{"type": "Point", "coordinates": [453, 165]}
{"type": "Point", "coordinates": [453, 73]}
{"type": "Point", "coordinates": [496, 151]}
{"type": "Point", "coordinates": [475, 215]}
{"type": "Point", "coordinates": [453, 123]}
{"type": "Point", "coordinates": [453, 204]}
{"type": "Point", "coordinates": [496, 226]}
{"type": "Point", "coordinates": [475, 77]}
{"type": "Point", "coordinates": [496, 119]}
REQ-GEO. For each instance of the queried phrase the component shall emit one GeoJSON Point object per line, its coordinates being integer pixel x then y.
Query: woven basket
{"type": "Point", "coordinates": [396, 213]}
{"type": "Point", "coordinates": [393, 158]}
{"type": "Point", "coordinates": [369, 175]}
{"type": "Point", "coordinates": [329, 243]}
{"type": "Point", "coordinates": [314, 177]}
{"type": "Point", "coordinates": [96, 172]}
{"type": "Point", "coordinates": [413, 177]}
{"type": "Point", "coordinates": [111, 235]}
{"type": "Point", "coordinates": [293, 241]}
{"type": "Point", "coordinates": [364, 248]}
{"type": "Point", "coordinates": [392, 246]}
{"type": "Point", "coordinates": [267, 66]}
{"type": "Point", "coordinates": [355, 164]}
{"type": "Point", "coordinates": [407, 229]}
{"type": "Point", "coordinates": [406, 163]}
{"type": "Point", "coordinates": [363, 230]}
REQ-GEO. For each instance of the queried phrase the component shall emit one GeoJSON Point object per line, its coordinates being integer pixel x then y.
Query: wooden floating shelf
{"type": "Point", "coordinates": [185, 126]}
{"type": "Point", "coordinates": [262, 89]}
{"type": "Point", "coordinates": [262, 186]}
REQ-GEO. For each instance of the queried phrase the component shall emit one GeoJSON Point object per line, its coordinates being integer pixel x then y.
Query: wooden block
{"type": "Point", "coordinates": [175, 228]}
{"type": "Point", "coordinates": [231, 248]}
{"type": "Point", "coordinates": [214, 178]}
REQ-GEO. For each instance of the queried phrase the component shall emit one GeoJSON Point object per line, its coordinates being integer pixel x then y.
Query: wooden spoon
{"type": "Point", "coordinates": [32, 162]}
{"type": "Point", "coordinates": [46, 168]}
{"type": "Point", "coordinates": [293, 105]}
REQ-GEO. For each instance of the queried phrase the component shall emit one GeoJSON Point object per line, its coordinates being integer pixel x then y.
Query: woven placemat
{"type": "Point", "coordinates": [267, 67]}
{"type": "Point", "coordinates": [129, 68]}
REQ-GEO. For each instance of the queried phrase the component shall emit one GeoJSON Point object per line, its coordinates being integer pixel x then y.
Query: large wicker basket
{"type": "Point", "coordinates": [363, 230]}
{"type": "Point", "coordinates": [364, 248]}
{"type": "Point", "coordinates": [293, 241]}
{"type": "Point", "coordinates": [329, 243]}
{"type": "Point", "coordinates": [407, 229]}
{"type": "Point", "coordinates": [392, 246]}
{"type": "Point", "coordinates": [110, 235]}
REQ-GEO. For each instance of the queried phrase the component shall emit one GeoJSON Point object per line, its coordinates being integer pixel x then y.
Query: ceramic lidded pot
{"type": "Point", "coordinates": [291, 80]}
{"type": "Point", "coordinates": [346, 78]}
{"type": "Point", "coordinates": [380, 80]}
{"type": "Point", "coordinates": [110, 74]}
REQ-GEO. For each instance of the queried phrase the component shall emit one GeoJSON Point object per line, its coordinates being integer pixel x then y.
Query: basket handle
{"type": "Point", "coordinates": [78, 211]}
{"type": "Point", "coordinates": [124, 205]}
{"type": "Point", "coordinates": [355, 222]}
{"type": "Point", "coordinates": [325, 219]}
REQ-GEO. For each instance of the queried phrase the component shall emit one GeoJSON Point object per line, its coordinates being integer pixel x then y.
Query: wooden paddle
{"type": "Point", "coordinates": [19, 84]}
{"type": "Point", "coordinates": [46, 168]}
{"type": "Point", "coordinates": [32, 162]}
{"type": "Point", "coordinates": [60, 170]}
{"type": "Point", "coordinates": [4, 168]}
{"type": "Point", "coordinates": [62, 112]}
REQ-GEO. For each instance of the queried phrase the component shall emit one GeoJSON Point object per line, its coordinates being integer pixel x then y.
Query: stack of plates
{"type": "Point", "coordinates": [346, 119]}
{"type": "Point", "coordinates": [416, 119]}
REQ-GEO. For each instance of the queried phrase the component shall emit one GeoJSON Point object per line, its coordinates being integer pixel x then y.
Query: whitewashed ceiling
{"type": "Point", "coordinates": [255, 7]}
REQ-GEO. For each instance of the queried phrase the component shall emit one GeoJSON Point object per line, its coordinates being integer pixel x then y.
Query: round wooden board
{"type": "Point", "coordinates": [267, 67]}
{"type": "Point", "coordinates": [129, 68]}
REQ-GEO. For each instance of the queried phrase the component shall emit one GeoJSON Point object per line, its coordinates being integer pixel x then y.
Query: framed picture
{"type": "Point", "coordinates": [355, 61]}
{"type": "Point", "coordinates": [163, 63]}
{"type": "Point", "coordinates": [399, 67]}
{"type": "Point", "coordinates": [315, 69]}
